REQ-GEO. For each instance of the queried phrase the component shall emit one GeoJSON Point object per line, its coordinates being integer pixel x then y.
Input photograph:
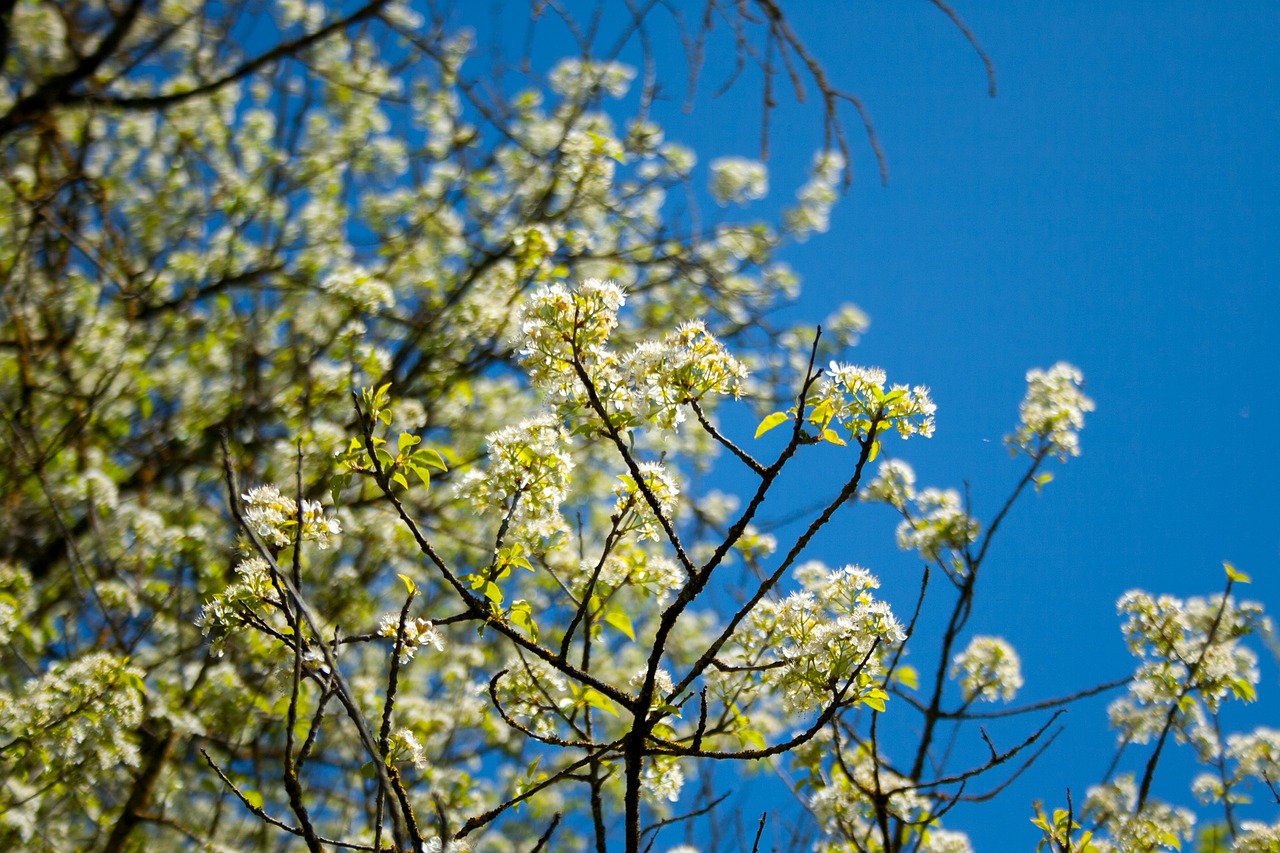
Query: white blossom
{"type": "Point", "coordinates": [1158, 826]}
{"type": "Point", "coordinates": [894, 484]}
{"type": "Point", "coordinates": [526, 474]}
{"type": "Point", "coordinates": [633, 506]}
{"type": "Point", "coordinates": [1052, 412]}
{"type": "Point", "coordinates": [938, 525]}
{"type": "Point", "coordinates": [273, 518]}
{"type": "Point", "coordinates": [856, 397]}
{"type": "Point", "coordinates": [662, 779]}
{"type": "Point", "coordinates": [738, 180]}
{"type": "Point", "coordinates": [417, 632]}
{"type": "Point", "coordinates": [989, 669]}
{"type": "Point", "coordinates": [815, 199]}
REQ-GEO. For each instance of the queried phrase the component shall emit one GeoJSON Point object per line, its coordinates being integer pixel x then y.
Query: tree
{"type": "Point", "coordinates": [357, 412]}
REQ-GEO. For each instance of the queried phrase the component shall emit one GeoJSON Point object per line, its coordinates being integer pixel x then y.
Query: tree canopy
{"type": "Point", "coordinates": [367, 407]}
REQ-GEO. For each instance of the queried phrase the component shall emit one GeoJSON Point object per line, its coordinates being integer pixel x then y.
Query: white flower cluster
{"type": "Point", "coordinates": [1255, 756]}
{"type": "Point", "coordinates": [938, 525]}
{"type": "Point", "coordinates": [15, 594]}
{"type": "Point", "coordinates": [738, 180]}
{"type": "Point", "coordinates": [662, 683]}
{"type": "Point", "coordinates": [560, 327]}
{"type": "Point", "coordinates": [1180, 660]}
{"type": "Point", "coordinates": [1052, 412]}
{"type": "Point", "coordinates": [565, 330]}
{"type": "Point", "coordinates": [1158, 826]}
{"type": "Point", "coordinates": [686, 366]}
{"type": "Point", "coordinates": [577, 79]}
{"type": "Point", "coordinates": [533, 245]}
{"type": "Point", "coordinates": [857, 397]}
{"type": "Point", "coordinates": [588, 160]}
{"type": "Point", "coordinates": [417, 632]}
{"type": "Point", "coordinates": [816, 197]}
{"type": "Point", "coordinates": [230, 607]}
{"type": "Point", "coordinates": [662, 779]}
{"type": "Point", "coordinates": [821, 635]}
{"type": "Point", "coordinates": [75, 717]}
{"type": "Point", "coordinates": [357, 286]}
{"type": "Point", "coordinates": [845, 325]}
{"type": "Point", "coordinates": [844, 809]}
{"type": "Point", "coordinates": [273, 517]}
{"type": "Point", "coordinates": [894, 484]}
{"type": "Point", "coordinates": [631, 505]}
{"type": "Point", "coordinates": [628, 564]}
{"type": "Point", "coordinates": [1257, 753]}
{"type": "Point", "coordinates": [989, 669]}
{"type": "Point", "coordinates": [528, 463]}
{"type": "Point", "coordinates": [1257, 837]}
{"type": "Point", "coordinates": [403, 745]}
{"type": "Point", "coordinates": [945, 841]}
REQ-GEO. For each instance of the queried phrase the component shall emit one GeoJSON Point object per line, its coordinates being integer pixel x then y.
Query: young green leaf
{"type": "Point", "coordinates": [597, 699]}
{"type": "Point", "coordinates": [1235, 574]}
{"type": "Point", "coordinates": [621, 621]}
{"type": "Point", "coordinates": [770, 422]}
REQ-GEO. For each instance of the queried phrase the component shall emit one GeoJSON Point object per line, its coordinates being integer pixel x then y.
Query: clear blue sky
{"type": "Point", "coordinates": [1116, 205]}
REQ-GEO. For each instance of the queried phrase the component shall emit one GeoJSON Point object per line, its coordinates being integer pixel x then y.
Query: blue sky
{"type": "Point", "coordinates": [1114, 206]}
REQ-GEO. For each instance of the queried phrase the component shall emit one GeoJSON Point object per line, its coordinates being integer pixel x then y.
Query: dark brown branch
{"type": "Point", "coordinates": [55, 90]}
{"type": "Point", "coordinates": [277, 53]}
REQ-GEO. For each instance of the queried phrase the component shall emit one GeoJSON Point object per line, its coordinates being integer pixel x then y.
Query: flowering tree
{"type": "Point", "coordinates": [357, 415]}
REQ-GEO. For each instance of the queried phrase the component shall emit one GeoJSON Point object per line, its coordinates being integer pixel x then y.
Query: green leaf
{"type": "Point", "coordinates": [833, 437]}
{"type": "Point", "coordinates": [875, 699]}
{"type": "Point", "coordinates": [399, 478]}
{"type": "Point", "coordinates": [492, 592]}
{"type": "Point", "coordinates": [427, 456]}
{"type": "Point", "coordinates": [406, 440]}
{"type": "Point", "coordinates": [752, 738]}
{"type": "Point", "coordinates": [596, 699]}
{"type": "Point", "coordinates": [1243, 689]}
{"type": "Point", "coordinates": [770, 422]}
{"type": "Point", "coordinates": [337, 484]}
{"type": "Point", "coordinates": [821, 413]}
{"type": "Point", "coordinates": [621, 621]}
{"type": "Point", "coordinates": [907, 677]}
{"type": "Point", "coordinates": [521, 615]}
{"type": "Point", "coordinates": [1235, 574]}
{"type": "Point", "coordinates": [1043, 480]}
{"type": "Point", "coordinates": [875, 451]}
{"type": "Point", "coordinates": [409, 585]}
{"type": "Point", "coordinates": [253, 798]}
